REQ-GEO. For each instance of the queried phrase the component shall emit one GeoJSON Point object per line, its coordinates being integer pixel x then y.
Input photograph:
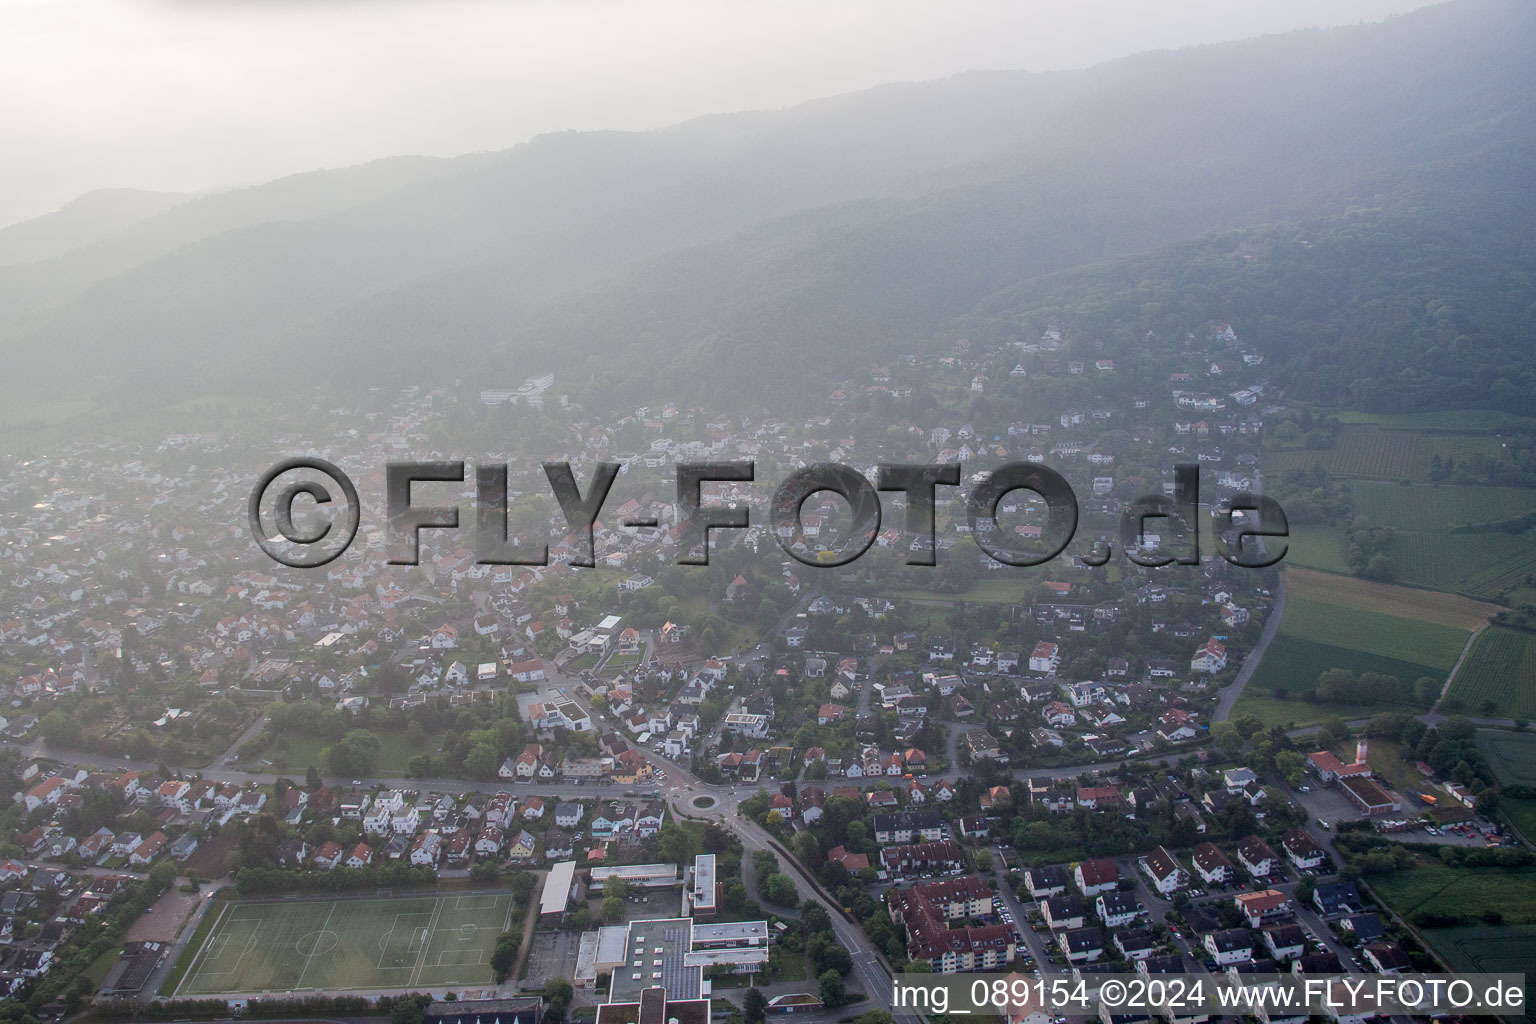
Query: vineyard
{"type": "Point", "coordinates": [1436, 508]}
{"type": "Point", "coordinates": [1370, 452]}
{"type": "Point", "coordinates": [1427, 554]}
{"type": "Point", "coordinates": [1499, 676]}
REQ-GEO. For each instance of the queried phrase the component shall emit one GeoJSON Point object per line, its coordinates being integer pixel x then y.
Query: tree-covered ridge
{"type": "Point", "coordinates": [1411, 294]}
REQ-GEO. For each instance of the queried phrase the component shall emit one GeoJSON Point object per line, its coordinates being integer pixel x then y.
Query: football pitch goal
{"type": "Point", "coordinates": [400, 942]}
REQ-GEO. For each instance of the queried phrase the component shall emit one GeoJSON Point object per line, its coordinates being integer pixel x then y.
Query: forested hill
{"type": "Point", "coordinates": [770, 250]}
{"type": "Point", "coordinates": [1409, 293]}
{"type": "Point", "coordinates": [1409, 286]}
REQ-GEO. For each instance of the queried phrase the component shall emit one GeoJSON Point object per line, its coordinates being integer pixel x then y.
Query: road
{"type": "Point", "coordinates": [1230, 694]}
{"type": "Point", "coordinates": [1020, 912]}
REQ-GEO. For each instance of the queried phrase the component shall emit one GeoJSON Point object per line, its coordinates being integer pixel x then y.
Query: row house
{"type": "Point", "coordinates": [922, 858]}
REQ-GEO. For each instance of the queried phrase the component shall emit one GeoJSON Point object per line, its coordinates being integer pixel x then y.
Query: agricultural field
{"type": "Point", "coordinates": [1385, 462]}
{"type": "Point", "coordinates": [1521, 815]}
{"type": "Point", "coordinates": [1489, 950]}
{"type": "Point", "coordinates": [409, 942]}
{"type": "Point", "coordinates": [1492, 566]}
{"type": "Point", "coordinates": [1292, 664]}
{"type": "Point", "coordinates": [1511, 755]}
{"type": "Point", "coordinates": [1371, 452]}
{"type": "Point", "coordinates": [1498, 678]}
{"type": "Point", "coordinates": [1397, 637]}
{"type": "Point", "coordinates": [1450, 421]}
{"type": "Point", "coordinates": [1445, 609]}
{"type": "Point", "coordinates": [1431, 887]}
{"type": "Point", "coordinates": [1363, 630]}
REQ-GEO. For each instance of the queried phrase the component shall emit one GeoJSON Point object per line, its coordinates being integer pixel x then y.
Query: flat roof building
{"type": "Point", "coordinates": [654, 953]}
{"type": "Point", "coordinates": [705, 897]}
{"type": "Point", "coordinates": [556, 897]}
{"type": "Point", "coordinates": [647, 875]}
{"type": "Point", "coordinates": [654, 1005]}
{"type": "Point", "coordinates": [673, 952]}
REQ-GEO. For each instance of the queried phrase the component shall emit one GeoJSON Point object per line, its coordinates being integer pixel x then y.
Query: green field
{"type": "Point", "coordinates": [1318, 547]}
{"type": "Point", "coordinates": [1318, 635]}
{"type": "Point", "coordinates": [1521, 814]}
{"type": "Point", "coordinates": [1368, 632]}
{"type": "Point", "coordinates": [409, 942]}
{"type": "Point", "coordinates": [1499, 676]}
{"type": "Point", "coordinates": [1293, 664]}
{"type": "Point", "coordinates": [1000, 588]}
{"type": "Point", "coordinates": [1471, 421]}
{"type": "Point", "coordinates": [1469, 893]}
{"type": "Point", "coordinates": [297, 752]}
{"type": "Point", "coordinates": [1511, 755]}
{"type": "Point", "coordinates": [1490, 950]}
{"type": "Point", "coordinates": [1376, 455]}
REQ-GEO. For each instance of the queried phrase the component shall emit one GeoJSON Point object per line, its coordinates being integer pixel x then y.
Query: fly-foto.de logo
{"type": "Point", "coordinates": [305, 512]}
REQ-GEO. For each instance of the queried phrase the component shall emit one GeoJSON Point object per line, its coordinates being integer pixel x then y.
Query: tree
{"type": "Point", "coordinates": [674, 844]}
{"type": "Point", "coordinates": [613, 909]}
{"type": "Point", "coordinates": [482, 761]}
{"type": "Point", "coordinates": [754, 1005]}
{"type": "Point", "coordinates": [1292, 766]}
{"type": "Point", "coordinates": [1227, 737]}
{"type": "Point", "coordinates": [312, 780]}
{"type": "Point", "coordinates": [406, 1011]}
{"type": "Point", "coordinates": [780, 891]}
{"type": "Point", "coordinates": [61, 729]}
{"type": "Point", "coordinates": [826, 954]}
{"type": "Point", "coordinates": [504, 955]}
{"type": "Point", "coordinates": [1425, 691]}
{"type": "Point", "coordinates": [356, 753]}
{"type": "Point", "coordinates": [833, 992]}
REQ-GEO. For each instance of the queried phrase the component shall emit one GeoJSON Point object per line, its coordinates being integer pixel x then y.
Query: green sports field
{"type": "Point", "coordinates": [403, 942]}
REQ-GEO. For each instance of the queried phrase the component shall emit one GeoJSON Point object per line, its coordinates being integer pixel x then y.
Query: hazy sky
{"type": "Point", "coordinates": [195, 94]}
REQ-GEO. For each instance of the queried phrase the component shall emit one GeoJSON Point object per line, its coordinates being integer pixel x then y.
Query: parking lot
{"type": "Point", "coordinates": [553, 955]}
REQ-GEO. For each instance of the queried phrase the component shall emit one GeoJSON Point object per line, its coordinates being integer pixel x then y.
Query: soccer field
{"type": "Point", "coordinates": [400, 942]}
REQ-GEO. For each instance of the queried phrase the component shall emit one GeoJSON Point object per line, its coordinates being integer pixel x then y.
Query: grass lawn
{"type": "Point", "coordinates": [97, 971]}
{"type": "Point", "coordinates": [786, 966]}
{"type": "Point", "coordinates": [337, 945]}
{"type": "Point", "coordinates": [395, 750]}
{"type": "Point", "coordinates": [1318, 547]}
{"type": "Point", "coordinates": [1499, 676]}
